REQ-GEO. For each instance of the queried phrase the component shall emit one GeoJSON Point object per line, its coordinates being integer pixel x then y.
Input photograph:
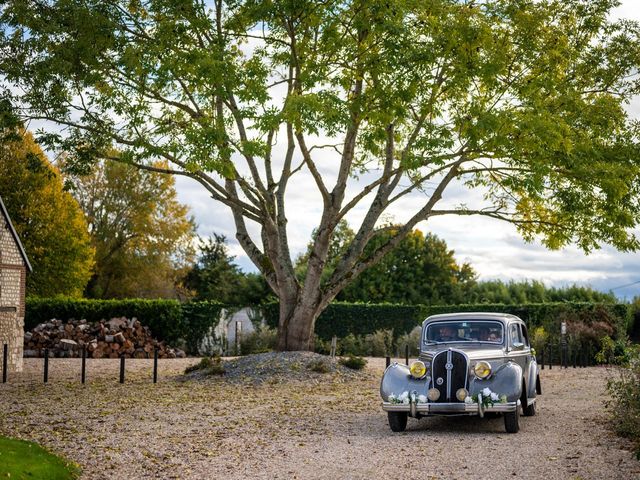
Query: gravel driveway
{"type": "Point", "coordinates": [327, 429]}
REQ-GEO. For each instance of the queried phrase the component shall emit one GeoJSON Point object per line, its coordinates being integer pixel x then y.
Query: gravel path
{"type": "Point", "coordinates": [327, 428]}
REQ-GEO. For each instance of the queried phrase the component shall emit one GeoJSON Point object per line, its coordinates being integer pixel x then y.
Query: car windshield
{"type": "Point", "coordinates": [464, 331]}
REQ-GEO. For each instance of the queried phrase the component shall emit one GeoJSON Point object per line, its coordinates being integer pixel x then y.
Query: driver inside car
{"type": "Point", "coordinates": [448, 334]}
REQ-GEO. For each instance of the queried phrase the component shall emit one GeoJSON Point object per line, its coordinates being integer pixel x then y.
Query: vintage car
{"type": "Point", "coordinates": [469, 364]}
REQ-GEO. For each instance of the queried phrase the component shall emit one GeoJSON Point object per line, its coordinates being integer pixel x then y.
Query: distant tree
{"type": "Point", "coordinates": [421, 269]}
{"type": "Point", "coordinates": [215, 276]}
{"type": "Point", "coordinates": [497, 291]}
{"type": "Point", "coordinates": [47, 218]}
{"type": "Point", "coordinates": [142, 234]}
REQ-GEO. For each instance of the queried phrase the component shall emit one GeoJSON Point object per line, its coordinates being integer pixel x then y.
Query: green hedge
{"type": "Point", "coordinates": [174, 322]}
{"type": "Point", "coordinates": [340, 319]}
{"type": "Point", "coordinates": [550, 315]}
{"type": "Point", "coordinates": [169, 320]}
{"type": "Point", "coordinates": [197, 318]}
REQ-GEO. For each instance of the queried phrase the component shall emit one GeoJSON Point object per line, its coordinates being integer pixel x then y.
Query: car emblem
{"type": "Point", "coordinates": [449, 366]}
{"type": "Point", "coordinates": [440, 381]}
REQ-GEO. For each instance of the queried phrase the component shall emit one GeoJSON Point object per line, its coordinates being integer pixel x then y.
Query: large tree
{"type": "Point", "coordinates": [375, 100]}
{"type": "Point", "coordinates": [142, 234]}
{"type": "Point", "coordinates": [47, 219]}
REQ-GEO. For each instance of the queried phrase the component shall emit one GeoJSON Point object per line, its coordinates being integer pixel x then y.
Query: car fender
{"type": "Point", "coordinates": [531, 381]}
{"type": "Point", "coordinates": [505, 380]}
{"type": "Point", "coordinates": [397, 379]}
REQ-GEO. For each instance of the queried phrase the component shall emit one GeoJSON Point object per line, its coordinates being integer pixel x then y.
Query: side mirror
{"type": "Point", "coordinates": [518, 346]}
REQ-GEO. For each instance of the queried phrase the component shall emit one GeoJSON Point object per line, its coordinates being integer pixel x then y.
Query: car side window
{"type": "Point", "coordinates": [514, 331]}
{"type": "Point", "coordinates": [525, 335]}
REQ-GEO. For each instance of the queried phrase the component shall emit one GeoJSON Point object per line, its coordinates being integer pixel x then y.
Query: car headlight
{"type": "Point", "coordinates": [482, 370]}
{"type": "Point", "coordinates": [461, 394]}
{"type": "Point", "coordinates": [433, 394]}
{"type": "Point", "coordinates": [418, 369]}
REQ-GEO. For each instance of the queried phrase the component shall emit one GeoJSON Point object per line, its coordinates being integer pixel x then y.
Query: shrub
{"type": "Point", "coordinates": [539, 337]}
{"type": "Point", "coordinates": [319, 366]}
{"type": "Point", "coordinates": [379, 343]}
{"type": "Point", "coordinates": [321, 346]}
{"type": "Point", "coordinates": [614, 352]}
{"type": "Point", "coordinates": [351, 345]}
{"type": "Point", "coordinates": [209, 365]}
{"type": "Point", "coordinates": [262, 339]}
{"type": "Point", "coordinates": [625, 399]}
{"type": "Point", "coordinates": [355, 363]}
{"type": "Point", "coordinates": [412, 339]}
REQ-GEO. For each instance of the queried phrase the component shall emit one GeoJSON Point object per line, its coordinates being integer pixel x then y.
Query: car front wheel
{"type": "Point", "coordinates": [397, 421]}
{"type": "Point", "coordinates": [512, 421]}
{"type": "Point", "coordinates": [530, 410]}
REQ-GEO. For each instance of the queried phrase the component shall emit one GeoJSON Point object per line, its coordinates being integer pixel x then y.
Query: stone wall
{"type": "Point", "coordinates": [12, 290]}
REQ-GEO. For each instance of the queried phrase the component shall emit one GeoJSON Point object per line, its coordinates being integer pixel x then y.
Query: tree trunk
{"type": "Point", "coordinates": [295, 329]}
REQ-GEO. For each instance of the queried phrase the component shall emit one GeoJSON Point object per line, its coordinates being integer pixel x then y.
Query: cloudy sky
{"type": "Point", "coordinates": [494, 248]}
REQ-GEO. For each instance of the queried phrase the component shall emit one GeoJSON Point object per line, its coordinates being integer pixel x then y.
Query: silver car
{"type": "Point", "coordinates": [469, 364]}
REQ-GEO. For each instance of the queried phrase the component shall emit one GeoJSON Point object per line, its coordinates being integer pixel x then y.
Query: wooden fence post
{"type": "Point", "coordinates": [155, 364]}
{"type": "Point", "coordinates": [122, 368]}
{"type": "Point", "coordinates": [83, 375]}
{"type": "Point", "coordinates": [46, 365]}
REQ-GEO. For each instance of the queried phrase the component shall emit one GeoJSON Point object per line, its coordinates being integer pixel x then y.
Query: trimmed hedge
{"type": "Point", "coordinates": [197, 319]}
{"type": "Point", "coordinates": [549, 315]}
{"type": "Point", "coordinates": [174, 322]}
{"type": "Point", "coordinates": [341, 319]}
{"type": "Point", "coordinates": [169, 320]}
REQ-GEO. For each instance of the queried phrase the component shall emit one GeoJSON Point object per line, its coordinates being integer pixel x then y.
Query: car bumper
{"type": "Point", "coordinates": [449, 408]}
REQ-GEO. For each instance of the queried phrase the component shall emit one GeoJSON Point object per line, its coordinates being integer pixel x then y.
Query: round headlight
{"type": "Point", "coordinates": [433, 394]}
{"type": "Point", "coordinates": [461, 394]}
{"type": "Point", "coordinates": [482, 370]}
{"type": "Point", "coordinates": [418, 369]}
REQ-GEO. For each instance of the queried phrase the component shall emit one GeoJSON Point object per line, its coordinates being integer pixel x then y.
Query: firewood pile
{"type": "Point", "coordinates": [104, 339]}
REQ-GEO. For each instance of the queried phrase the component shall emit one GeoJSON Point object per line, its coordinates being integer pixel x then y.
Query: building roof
{"type": "Point", "coordinates": [3, 209]}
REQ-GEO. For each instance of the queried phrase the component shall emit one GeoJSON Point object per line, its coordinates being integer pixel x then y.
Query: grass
{"type": "Point", "coordinates": [211, 366]}
{"type": "Point", "coordinates": [26, 460]}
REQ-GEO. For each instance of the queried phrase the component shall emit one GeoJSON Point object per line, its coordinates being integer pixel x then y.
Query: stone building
{"type": "Point", "coordinates": [14, 265]}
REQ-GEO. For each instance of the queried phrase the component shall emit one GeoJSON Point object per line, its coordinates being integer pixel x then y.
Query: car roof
{"type": "Point", "coordinates": [505, 317]}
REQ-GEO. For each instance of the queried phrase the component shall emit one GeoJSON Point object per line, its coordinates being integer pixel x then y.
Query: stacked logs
{"type": "Point", "coordinates": [103, 339]}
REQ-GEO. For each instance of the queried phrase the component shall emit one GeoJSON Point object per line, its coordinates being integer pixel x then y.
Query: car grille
{"type": "Point", "coordinates": [449, 380]}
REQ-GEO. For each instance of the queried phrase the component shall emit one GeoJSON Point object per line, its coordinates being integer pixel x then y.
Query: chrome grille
{"type": "Point", "coordinates": [449, 374]}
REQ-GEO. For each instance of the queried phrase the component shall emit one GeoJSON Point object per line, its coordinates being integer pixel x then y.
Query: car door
{"type": "Point", "coordinates": [518, 351]}
{"type": "Point", "coordinates": [530, 370]}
